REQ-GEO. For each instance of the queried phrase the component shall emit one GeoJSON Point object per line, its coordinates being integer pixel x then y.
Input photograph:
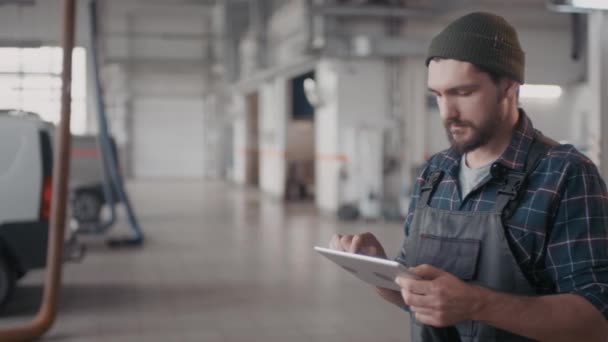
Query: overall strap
{"type": "Point", "coordinates": [514, 186]}
{"type": "Point", "coordinates": [429, 187]}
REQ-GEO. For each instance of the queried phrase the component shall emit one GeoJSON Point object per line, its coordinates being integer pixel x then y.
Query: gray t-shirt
{"type": "Point", "coordinates": [470, 178]}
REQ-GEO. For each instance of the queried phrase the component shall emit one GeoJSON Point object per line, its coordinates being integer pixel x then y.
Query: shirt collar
{"type": "Point", "coordinates": [513, 157]}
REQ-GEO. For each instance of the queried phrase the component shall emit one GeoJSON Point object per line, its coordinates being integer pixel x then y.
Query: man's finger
{"type": "Point", "coordinates": [334, 243]}
{"type": "Point", "coordinates": [422, 310]}
{"type": "Point", "coordinates": [345, 242]}
{"type": "Point", "coordinates": [425, 318]}
{"type": "Point", "coordinates": [426, 271]}
{"type": "Point", "coordinates": [355, 243]}
{"type": "Point", "coordinates": [417, 300]}
{"type": "Point", "coordinates": [421, 287]}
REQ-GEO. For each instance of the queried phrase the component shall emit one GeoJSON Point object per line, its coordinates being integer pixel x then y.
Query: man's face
{"type": "Point", "coordinates": [469, 103]}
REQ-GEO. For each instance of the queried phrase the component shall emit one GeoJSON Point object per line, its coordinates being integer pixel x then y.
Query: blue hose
{"type": "Point", "coordinates": [112, 180]}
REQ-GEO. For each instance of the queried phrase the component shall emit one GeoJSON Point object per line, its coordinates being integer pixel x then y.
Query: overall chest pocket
{"type": "Point", "coordinates": [456, 256]}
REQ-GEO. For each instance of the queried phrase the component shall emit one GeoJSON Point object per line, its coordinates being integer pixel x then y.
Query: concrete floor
{"type": "Point", "coordinates": [221, 263]}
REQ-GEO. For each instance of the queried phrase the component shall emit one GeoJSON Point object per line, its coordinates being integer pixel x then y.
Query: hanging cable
{"type": "Point", "coordinates": [112, 177]}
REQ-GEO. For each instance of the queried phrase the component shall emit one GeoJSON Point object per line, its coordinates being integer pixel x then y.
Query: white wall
{"type": "Point", "coordinates": [586, 133]}
{"type": "Point", "coordinates": [159, 54]}
{"type": "Point", "coordinates": [168, 138]}
{"type": "Point", "coordinates": [355, 104]}
{"type": "Point", "coordinates": [273, 114]}
{"type": "Point", "coordinates": [363, 110]}
{"type": "Point", "coordinates": [552, 116]}
{"type": "Point", "coordinates": [548, 57]}
{"type": "Point", "coordinates": [160, 129]}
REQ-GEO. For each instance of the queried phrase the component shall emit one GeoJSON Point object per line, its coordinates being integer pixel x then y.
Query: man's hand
{"type": "Point", "coordinates": [440, 299]}
{"type": "Point", "coordinates": [365, 243]}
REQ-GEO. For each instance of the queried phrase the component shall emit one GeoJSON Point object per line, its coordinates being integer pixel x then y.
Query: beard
{"type": "Point", "coordinates": [479, 135]}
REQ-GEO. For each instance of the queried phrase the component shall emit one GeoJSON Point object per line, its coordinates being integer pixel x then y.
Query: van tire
{"type": "Point", "coordinates": [7, 282]}
{"type": "Point", "coordinates": [86, 206]}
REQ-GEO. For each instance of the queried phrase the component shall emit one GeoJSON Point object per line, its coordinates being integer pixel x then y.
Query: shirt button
{"type": "Point", "coordinates": [497, 171]}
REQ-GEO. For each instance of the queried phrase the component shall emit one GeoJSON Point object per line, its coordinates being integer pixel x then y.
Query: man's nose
{"type": "Point", "coordinates": [447, 109]}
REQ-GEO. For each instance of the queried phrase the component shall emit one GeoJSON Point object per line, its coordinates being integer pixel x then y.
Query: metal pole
{"type": "Point", "coordinates": [48, 309]}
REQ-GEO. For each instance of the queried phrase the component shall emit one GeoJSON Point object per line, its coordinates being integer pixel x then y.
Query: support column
{"type": "Point", "coordinates": [415, 120]}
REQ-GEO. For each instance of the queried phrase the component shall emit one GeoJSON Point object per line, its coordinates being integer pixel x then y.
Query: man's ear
{"type": "Point", "coordinates": [511, 88]}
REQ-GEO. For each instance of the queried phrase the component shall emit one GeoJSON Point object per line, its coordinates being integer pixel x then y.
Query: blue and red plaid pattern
{"type": "Point", "coordinates": [559, 232]}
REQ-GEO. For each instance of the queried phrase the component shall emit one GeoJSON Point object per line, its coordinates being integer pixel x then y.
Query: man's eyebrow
{"type": "Point", "coordinates": [471, 86]}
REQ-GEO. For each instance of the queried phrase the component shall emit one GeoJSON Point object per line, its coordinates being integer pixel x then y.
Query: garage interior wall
{"type": "Point", "coordinates": [281, 47]}
{"type": "Point", "coordinates": [343, 114]}
{"type": "Point", "coordinates": [160, 53]}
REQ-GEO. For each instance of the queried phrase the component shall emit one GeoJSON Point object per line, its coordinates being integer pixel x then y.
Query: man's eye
{"type": "Point", "coordinates": [465, 93]}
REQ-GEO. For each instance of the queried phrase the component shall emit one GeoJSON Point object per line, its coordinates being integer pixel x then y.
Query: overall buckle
{"type": "Point", "coordinates": [432, 180]}
{"type": "Point", "coordinates": [512, 185]}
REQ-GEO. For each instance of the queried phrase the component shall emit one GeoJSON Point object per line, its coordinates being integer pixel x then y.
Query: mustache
{"type": "Point", "coordinates": [456, 122]}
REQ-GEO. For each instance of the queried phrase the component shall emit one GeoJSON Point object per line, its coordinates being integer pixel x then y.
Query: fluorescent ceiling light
{"type": "Point", "coordinates": [540, 91]}
{"type": "Point", "coordinates": [591, 4]}
{"type": "Point", "coordinates": [577, 6]}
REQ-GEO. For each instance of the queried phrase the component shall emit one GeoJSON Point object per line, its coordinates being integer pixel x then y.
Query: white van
{"type": "Point", "coordinates": [26, 163]}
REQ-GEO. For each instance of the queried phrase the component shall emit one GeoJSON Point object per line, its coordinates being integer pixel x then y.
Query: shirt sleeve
{"type": "Point", "coordinates": [577, 249]}
{"type": "Point", "coordinates": [410, 214]}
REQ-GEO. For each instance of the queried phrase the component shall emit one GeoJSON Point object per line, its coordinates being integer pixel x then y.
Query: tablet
{"type": "Point", "coordinates": [375, 271]}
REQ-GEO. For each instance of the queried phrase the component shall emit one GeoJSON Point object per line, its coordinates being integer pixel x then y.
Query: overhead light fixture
{"type": "Point", "coordinates": [577, 5]}
{"type": "Point", "coordinates": [590, 4]}
{"type": "Point", "coordinates": [312, 93]}
{"type": "Point", "coordinates": [540, 91]}
{"type": "Point", "coordinates": [362, 46]}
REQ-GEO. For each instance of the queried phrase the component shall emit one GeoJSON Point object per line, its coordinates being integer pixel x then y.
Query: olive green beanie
{"type": "Point", "coordinates": [482, 39]}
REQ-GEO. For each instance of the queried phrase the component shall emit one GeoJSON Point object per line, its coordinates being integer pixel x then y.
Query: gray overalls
{"type": "Point", "coordinates": [472, 245]}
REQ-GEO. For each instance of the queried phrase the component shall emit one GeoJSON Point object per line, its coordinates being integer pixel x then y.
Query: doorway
{"type": "Point", "coordinates": [300, 144]}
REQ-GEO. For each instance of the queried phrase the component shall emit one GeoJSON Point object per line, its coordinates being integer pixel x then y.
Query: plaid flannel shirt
{"type": "Point", "coordinates": [558, 233]}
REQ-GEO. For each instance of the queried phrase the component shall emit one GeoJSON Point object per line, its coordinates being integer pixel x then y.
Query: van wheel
{"type": "Point", "coordinates": [7, 282]}
{"type": "Point", "coordinates": [86, 207]}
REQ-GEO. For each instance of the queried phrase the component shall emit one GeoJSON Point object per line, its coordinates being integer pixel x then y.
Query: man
{"type": "Point", "coordinates": [507, 229]}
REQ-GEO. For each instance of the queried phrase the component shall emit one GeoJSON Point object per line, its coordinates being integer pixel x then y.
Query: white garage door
{"type": "Point", "coordinates": [168, 138]}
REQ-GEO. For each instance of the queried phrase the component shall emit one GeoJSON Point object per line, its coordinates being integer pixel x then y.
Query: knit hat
{"type": "Point", "coordinates": [482, 39]}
